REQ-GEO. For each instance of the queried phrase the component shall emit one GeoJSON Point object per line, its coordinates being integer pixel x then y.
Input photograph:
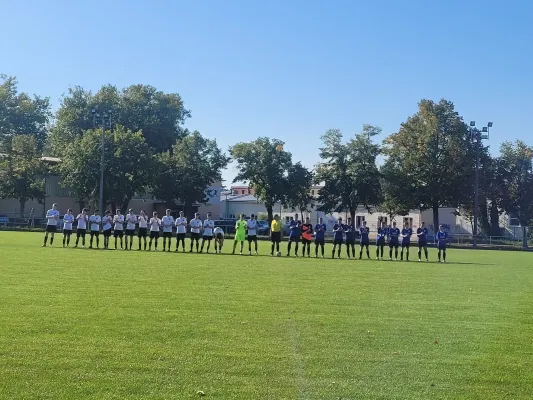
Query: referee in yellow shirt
{"type": "Point", "coordinates": [275, 234]}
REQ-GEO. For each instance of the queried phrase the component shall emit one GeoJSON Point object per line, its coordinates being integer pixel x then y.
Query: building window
{"type": "Point", "coordinates": [408, 220]}
{"type": "Point", "coordinates": [242, 191]}
{"type": "Point", "coordinates": [287, 220]}
{"type": "Point", "coordinates": [312, 192]}
{"type": "Point", "coordinates": [513, 220]}
{"type": "Point", "coordinates": [359, 220]}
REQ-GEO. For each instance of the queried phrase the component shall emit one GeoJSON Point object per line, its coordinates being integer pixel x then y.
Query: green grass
{"type": "Point", "coordinates": [85, 324]}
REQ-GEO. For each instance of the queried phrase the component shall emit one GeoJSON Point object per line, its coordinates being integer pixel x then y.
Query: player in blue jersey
{"type": "Point", "coordinates": [380, 240]}
{"type": "Point", "coordinates": [364, 232]}
{"type": "Point", "coordinates": [406, 240]}
{"type": "Point", "coordinates": [422, 234]}
{"type": "Point", "coordinates": [295, 231]}
{"type": "Point", "coordinates": [394, 242]}
{"type": "Point", "coordinates": [338, 236]}
{"type": "Point", "coordinates": [320, 235]}
{"type": "Point", "coordinates": [440, 238]}
{"type": "Point", "coordinates": [349, 231]}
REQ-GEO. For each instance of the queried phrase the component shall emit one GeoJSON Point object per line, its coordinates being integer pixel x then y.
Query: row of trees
{"type": "Point", "coordinates": [429, 163]}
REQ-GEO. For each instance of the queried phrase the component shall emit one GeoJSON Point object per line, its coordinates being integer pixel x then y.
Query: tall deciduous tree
{"type": "Point", "coordinates": [128, 166]}
{"type": "Point", "coordinates": [396, 198]}
{"type": "Point", "coordinates": [21, 170]}
{"type": "Point", "coordinates": [348, 172]}
{"type": "Point", "coordinates": [298, 190]}
{"type": "Point", "coordinates": [516, 163]}
{"type": "Point", "coordinates": [21, 114]}
{"type": "Point", "coordinates": [186, 173]}
{"type": "Point", "coordinates": [157, 115]}
{"type": "Point", "coordinates": [263, 164]}
{"type": "Point", "coordinates": [434, 156]}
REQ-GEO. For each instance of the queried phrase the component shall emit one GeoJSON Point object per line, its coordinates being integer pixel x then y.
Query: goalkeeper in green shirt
{"type": "Point", "coordinates": [240, 233]}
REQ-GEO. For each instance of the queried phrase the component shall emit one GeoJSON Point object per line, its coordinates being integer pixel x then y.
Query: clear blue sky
{"type": "Point", "coordinates": [286, 69]}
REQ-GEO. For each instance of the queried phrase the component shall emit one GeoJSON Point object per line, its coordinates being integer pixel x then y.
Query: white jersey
{"type": "Point", "coordinates": [167, 221]}
{"type": "Point", "coordinates": [119, 222]}
{"type": "Point", "coordinates": [106, 222]}
{"type": "Point", "coordinates": [181, 225]}
{"type": "Point", "coordinates": [95, 222]}
{"type": "Point", "coordinates": [52, 217]}
{"type": "Point", "coordinates": [131, 219]}
{"type": "Point", "coordinates": [218, 231]}
{"type": "Point", "coordinates": [68, 219]}
{"type": "Point", "coordinates": [143, 221]}
{"type": "Point", "coordinates": [196, 225]}
{"type": "Point", "coordinates": [155, 223]}
{"type": "Point", "coordinates": [82, 221]}
{"type": "Point", "coordinates": [251, 225]}
{"type": "Point", "coordinates": [209, 225]}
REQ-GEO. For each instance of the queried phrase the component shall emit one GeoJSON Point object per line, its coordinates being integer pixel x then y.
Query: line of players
{"type": "Point", "coordinates": [346, 234]}
{"type": "Point", "coordinates": [245, 230]}
{"type": "Point", "coordinates": [113, 225]}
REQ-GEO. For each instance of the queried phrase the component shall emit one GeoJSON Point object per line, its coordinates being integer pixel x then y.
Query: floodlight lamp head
{"type": "Point", "coordinates": [489, 124]}
{"type": "Point", "coordinates": [485, 129]}
{"type": "Point", "coordinates": [472, 123]}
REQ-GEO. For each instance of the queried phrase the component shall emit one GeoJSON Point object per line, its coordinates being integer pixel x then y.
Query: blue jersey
{"type": "Point", "coordinates": [422, 234]}
{"type": "Point", "coordinates": [320, 231]}
{"type": "Point", "coordinates": [350, 233]}
{"type": "Point", "coordinates": [393, 234]}
{"type": "Point", "coordinates": [295, 228]}
{"type": "Point", "coordinates": [382, 232]}
{"type": "Point", "coordinates": [364, 231]}
{"type": "Point", "coordinates": [441, 237]}
{"type": "Point", "coordinates": [339, 231]}
{"type": "Point", "coordinates": [406, 233]}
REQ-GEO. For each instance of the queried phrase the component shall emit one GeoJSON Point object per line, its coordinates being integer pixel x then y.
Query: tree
{"type": "Point", "coordinates": [157, 115]}
{"type": "Point", "coordinates": [298, 190]}
{"type": "Point", "coordinates": [349, 173]}
{"type": "Point", "coordinates": [21, 114]}
{"type": "Point", "coordinates": [434, 156]}
{"type": "Point", "coordinates": [264, 165]}
{"type": "Point", "coordinates": [517, 170]}
{"type": "Point", "coordinates": [21, 171]}
{"type": "Point", "coordinates": [186, 173]}
{"type": "Point", "coordinates": [128, 166]}
{"type": "Point", "coordinates": [396, 199]}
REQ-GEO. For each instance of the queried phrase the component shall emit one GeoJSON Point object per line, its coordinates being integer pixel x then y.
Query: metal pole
{"type": "Point", "coordinates": [102, 155]}
{"type": "Point", "coordinates": [476, 190]}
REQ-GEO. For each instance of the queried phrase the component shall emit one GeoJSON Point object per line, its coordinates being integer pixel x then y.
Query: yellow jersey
{"type": "Point", "coordinates": [275, 226]}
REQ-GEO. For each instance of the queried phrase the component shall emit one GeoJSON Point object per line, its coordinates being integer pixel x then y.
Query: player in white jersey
{"type": "Point", "coordinates": [143, 228]}
{"type": "Point", "coordinates": [209, 225]}
{"type": "Point", "coordinates": [181, 230]}
{"type": "Point", "coordinates": [168, 223]}
{"type": "Point", "coordinates": [95, 222]}
{"type": "Point", "coordinates": [68, 219]}
{"type": "Point", "coordinates": [196, 228]}
{"type": "Point", "coordinates": [219, 239]}
{"type": "Point", "coordinates": [155, 226]}
{"type": "Point", "coordinates": [52, 219]}
{"type": "Point", "coordinates": [107, 226]}
{"type": "Point", "coordinates": [81, 229]}
{"type": "Point", "coordinates": [118, 229]}
{"type": "Point", "coordinates": [131, 220]}
{"type": "Point", "coordinates": [251, 228]}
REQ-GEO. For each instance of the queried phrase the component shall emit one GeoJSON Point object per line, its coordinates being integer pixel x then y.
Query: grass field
{"type": "Point", "coordinates": [85, 324]}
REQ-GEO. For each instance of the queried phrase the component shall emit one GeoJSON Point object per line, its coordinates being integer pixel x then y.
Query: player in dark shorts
{"type": "Point", "coordinates": [349, 231]}
{"type": "Point", "coordinates": [380, 240]}
{"type": "Point", "coordinates": [364, 231]}
{"type": "Point", "coordinates": [394, 240]}
{"type": "Point", "coordinates": [275, 234]}
{"type": "Point", "coordinates": [406, 240]}
{"type": "Point", "coordinates": [338, 236]}
{"type": "Point", "coordinates": [422, 234]}
{"type": "Point", "coordinates": [81, 229]}
{"type": "Point", "coordinates": [107, 221]}
{"type": "Point", "coordinates": [307, 237]}
{"type": "Point", "coordinates": [441, 237]}
{"type": "Point", "coordinates": [295, 231]}
{"type": "Point", "coordinates": [320, 236]}
{"type": "Point", "coordinates": [143, 229]}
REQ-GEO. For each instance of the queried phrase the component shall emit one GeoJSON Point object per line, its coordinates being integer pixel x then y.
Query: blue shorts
{"type": "Point", "coordinates": [406, 243]}
{"type": "Point", "coordinates": [442, 245]}
{"type": "Point", "coordinates": [294, 238]}
{"type": "Point", "coordinates": [422, 243]}
{"type": "Point", "coordinates": [394, 243]}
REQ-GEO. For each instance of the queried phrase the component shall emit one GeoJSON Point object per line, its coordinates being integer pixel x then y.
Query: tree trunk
{"type": "Point", "coordinates": [113, 207]}
{"type": "Point", "coordinates": [484, 216]}
{"type": "Point", "coordinates": [22, 203]}
{"type": "Point", "coordinates": [270, 213]}
{"type": "Point", "coordinates": [494, 219]}
{"type": "Point", "coordinates": [187, 205]}
{"type": "Point", "coordinates": [524, 236]}
{"type": "Point", "coordinates": [125, 205]}
{"type": "Point", "coordinates": [435, 209]}
{"type": "Point", "coordinates": [352, 215]}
